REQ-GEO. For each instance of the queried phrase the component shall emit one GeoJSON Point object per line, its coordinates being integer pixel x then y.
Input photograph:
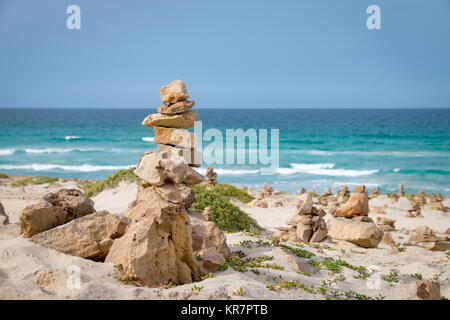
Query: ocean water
{"type": "Point", "coordinates": [318, 148]}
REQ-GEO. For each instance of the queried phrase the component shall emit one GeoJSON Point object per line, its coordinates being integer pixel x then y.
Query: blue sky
{"type": "Point", "coordinates": [265, 53]}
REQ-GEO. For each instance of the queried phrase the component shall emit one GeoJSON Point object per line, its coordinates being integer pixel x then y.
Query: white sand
{"type": "Point", "coordinates": [29, 271]}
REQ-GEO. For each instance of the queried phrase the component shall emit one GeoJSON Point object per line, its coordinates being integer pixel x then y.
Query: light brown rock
{"type": "Point", "coordinates": [319, 235]}
{"type": "Point", "coordinates": [207, 214]}
{"type": "Point", "coordinates": [209, 242]}
{"type": "Point", "coordinates": [267, 189]}
{"type": "Point", "coordinates": [437, 205]}
{"type": "Point", "coordinates": [278, 204]}
{"type": "Point", "coordinates": [305, 204]}
{"type": "Point", "coordinates": [157, 246]}
{"type": "Point", "coordinates": [53, 210]}
{"type": "Point", "coordinates": [176, 108]}
{"type": "Point", "coordinates": [363, 234]}
{"type": "Point", "coordinates": [428, 290]}
{"type": "Point", "coordinates": [174, 137]}
{"type": "Point", "coordinates": [88, 237]}
{"type": "Point", "coordinates": [173, 92]}
{"type": "Point", "coordinates": [178, 194]}
{"type": "Point", "coordinates": [3, 216]}
{"type": "Point", "coordinates": [192, 157]}
{"type": "Point", "coordinates": [183, 121]}
{"type": "Point", "coordinates": [425, 230]}
{"type": "Point", "coordinates": [360, 189]}
{"type": "Point", "coordinates": [357, 205]}
{"type": "Point", "coordinates": [386, 221]}
{"type": "Point", "coordinates": [158, 168]}
{"type": "Point", "coordinates": [303, 232]}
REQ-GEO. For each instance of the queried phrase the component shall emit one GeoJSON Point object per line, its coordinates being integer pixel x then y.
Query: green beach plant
{"type": "Point", "coordinates": [3, 176]}
{"type": "Point", "coordinates": [112, 181]}
{"type": "Point", "coordinates": [226, 215]}
{"type": "Point", "coordinates": [34, 181]}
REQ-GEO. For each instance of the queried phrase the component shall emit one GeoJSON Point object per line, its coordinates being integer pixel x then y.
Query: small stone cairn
{"type": "Point", "coordinates": [307, 224]}
{"type": "Point", "coordinates": [210, 177]}
{"type": "Point", "coordinates": [171, 122]}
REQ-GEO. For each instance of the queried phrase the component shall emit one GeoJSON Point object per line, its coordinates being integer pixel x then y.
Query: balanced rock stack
{"type": "Point", "coordinates": [375, 192]}
{"type": "Point", "coordinates": [401, 191]}
{"type": "Point", "coordinates": [435, 203]}
{"type": "Point", "coordinates": [352, 223]}
{"type": "Point", "coordinates": [426, 238]}
{"type": "Point", "coordinates": [414, 212]}
{"type": "Point", "coordinates": [3, 217]}
{"type": "Point", "coordinates": [210, 177]}
{"type": "Point", "coordinates": [344, 194]}
{"type": "Point", "coordinates": [420, 198]}
{"type": "Point", "coordinates": [307, 223]}
{"type": "Point", "coordinates": [171, 122]}
{"type": "Point", "coordinates": [157, 245]}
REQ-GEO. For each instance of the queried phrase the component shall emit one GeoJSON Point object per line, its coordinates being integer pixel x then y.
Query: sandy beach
{"type": "Point", "coordinates": [31, 271]}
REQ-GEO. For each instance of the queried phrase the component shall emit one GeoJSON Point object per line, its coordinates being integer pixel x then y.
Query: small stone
{"type": "Point", "coordinates": [173, 92]}
{"type": "Point", "coordinates": [207, 214]}
{"type": "Point", "coordinates": [305, 203]}
{"type": "Point", "coordinates": [357, 204]}
{"type": "Point", "coordinates": [303, 232]}
{"type": "Point", "coordinates": [183, 121]}
{"type": "Point", "coordinates": [176, 108]}
{"type": "Point", "coordinates": [3, 216]}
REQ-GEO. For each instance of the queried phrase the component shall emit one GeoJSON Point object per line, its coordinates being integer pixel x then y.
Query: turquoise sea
{"type": "Point", "coordinates": [318, 147]}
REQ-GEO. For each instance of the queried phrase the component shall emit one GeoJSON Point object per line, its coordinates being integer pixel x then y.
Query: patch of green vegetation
{"type": "Point", "coordinates": [241, 265]}
{"type": "Point", "coordinates": [92, 189]}
{"type": "Point", "coordinates": [417, 275]}
{"type": "Point", "coordinates": [301, 253]}
{"type": "Point", "coordinates": [226, 215]}
{"type": "Point", "coordinates": [3, 176]}
{"type": "Point", "coordinates": [227, 190]}
{"type": "Point", "coordinates": [391, 277]}
{"type": "Point", "coordinates": [34, 181]}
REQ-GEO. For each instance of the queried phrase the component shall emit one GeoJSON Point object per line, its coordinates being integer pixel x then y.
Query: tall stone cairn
{"type": "Point", "coordinates": [171, 122]}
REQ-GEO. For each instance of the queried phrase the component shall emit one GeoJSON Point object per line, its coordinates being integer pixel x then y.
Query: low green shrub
{"type": "Point", "coordinates": [112, 181]}
{"type": "Point", "coordinates": [3, 176]}
{"type": "Point", "coordinates": [226, 215]}
{"type": "Point", "coordinates": [34, 181]}
{"type": "Point", "coordinates": [228, 190]}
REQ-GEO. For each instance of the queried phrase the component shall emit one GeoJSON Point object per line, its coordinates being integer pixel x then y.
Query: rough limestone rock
{"type": "Point", "coordinates": [174, 137]}
{"type": "Point", "coordinates": [176, 108]}
{"type": "Point", "coordinates": [53, 210]}
{"type": "Point", "coordinates": [428, 290]}
{"type": "Point", "coordinates": [88, 237]}
{"type": "Point", "coordinates": [207, 214]}
{"type": "Point", "coordinates": [3, 216]}
{"type": "Point", "coordinates": [173, 92]}
{"type": "Point", "coordinates": [356, 205]}
{"type": "Point", "coordinates": [258, 203]}
{"type": "Point", "coordinates": [157, 246]}
{"type": "Point", "coordinates": [305, 203]}
{"type": "Point", "coordinates": [209, 242]}
{"type": "Point", "coordinates": [363, 234]}
{"type": "Point", "coordinates": [192, 157]}
{"type": "Point", "coordinates": [183, 121]}
{"type": "Point", "coordinates": [437, 205]}
{"type": "Point", "coordinates": [157, 168]}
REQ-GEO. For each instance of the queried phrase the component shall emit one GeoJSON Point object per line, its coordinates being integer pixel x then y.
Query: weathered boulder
{"type": "Point", "coordinates": [363, 234]}
{"type": "Point", "coordinates": [3, 216]}
{"type": "Point", "coordinates": [173, 92]}
{"type": "Point", "coordinates": [88, 237]}
{"type": "Point", "coordinates": [258, 203]}
{"type": "Point", "coordinates": [183, 121]}
{"type": "Point", "coordinates": [174, 137]}
{"type": "Point", "coordinates": [209, 242]}
{"type": "Point", "coordinates": [157, 246]}
{"type": "Point", "coordinates": [428, 290]}
{"type": "Point", "coordinates": [158, 168]}
{"type": "Point", "coordinates": [53, 210]}
{"type": "Point", "coordinates": [356, 205]}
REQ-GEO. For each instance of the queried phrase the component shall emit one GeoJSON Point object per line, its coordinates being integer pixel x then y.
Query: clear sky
{"type": "Point", "coordinates": [233, 53]}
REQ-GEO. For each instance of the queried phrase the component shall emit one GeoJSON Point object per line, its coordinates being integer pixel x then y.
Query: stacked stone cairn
{"type": "Point", "coordinates": [435, 203]}
{"type": "Point", "coordinates": [401, 191]}
{"type": "Point", "coordinates": [171, 122]}
{"type": "Point", "coordinates": [414, 212]}
{"type": "Point", "coordinates": [164, 238]}
{"type": "Point", "coordinates": [307, 224]}
{"type": "Point", "coordinates": [375, 192]}
{"type": "Point", "coordinates": [344, 194]}
{"type": "Point", "coordinates": [210, 177]}
{"type": "Point", "coordinates": [352, 223]}
{"type": "Point", "coordinates": [426, 238]}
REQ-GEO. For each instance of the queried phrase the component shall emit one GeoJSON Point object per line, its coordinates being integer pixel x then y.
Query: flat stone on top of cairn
{"type": "Point", "coordinates": [171, 122]}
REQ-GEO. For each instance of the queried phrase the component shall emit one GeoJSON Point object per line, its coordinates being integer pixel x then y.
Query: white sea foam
{"type": "Point", "coordinates": [325, 169]}
{"type": "Point", "coordinates": [148, 139]}
{"type": "Point", "coordinates": [7, 152]}
{"type": "Point", "coordinates": [59, 150]}
{"type": "Point", "coordinates": [72, 137]}
{"type": "Point", "coordinates": [372, 153]}
{"type": "Point", "coordinates": [72, 168]}
{"type": "Point", "coordinates": [396, 170]}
